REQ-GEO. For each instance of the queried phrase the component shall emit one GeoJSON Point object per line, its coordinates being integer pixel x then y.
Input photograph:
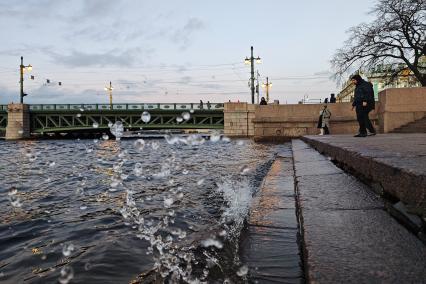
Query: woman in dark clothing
{"type": "Point", "coordinates": [263, 101]}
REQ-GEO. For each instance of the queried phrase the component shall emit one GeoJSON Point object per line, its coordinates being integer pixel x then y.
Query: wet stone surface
{"type": "Point", "coordinates": [270, 243]}
{"type": "Point", "coordinates": [347, 235]}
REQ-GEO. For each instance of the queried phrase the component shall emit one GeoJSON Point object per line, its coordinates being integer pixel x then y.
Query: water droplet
{"type": "Point", "coordinates": [215, 137]}
{"type": "Point", "coordinates": [191, 111]}
{"type": "Point", "coordinates": [83, 207]}
{"type": "Point", "coordinates": [52, 164]}
{"type": "Point", "coordinates": [137, 169]}
{"type": "Point", "coordinates": [139, 144]}
{"type": "Point", "coordinates": [179, 119]}
{"type": "Point", "coordinates": [95, 141]}
{"type": "Point", "coordinates": [105, 137]}
{"type": "Point", "coordinates": [212, 243]}
{"type": "Point", "coordinates": [78, 115]}
{"type": "Point", "coordinates": [179, 195]}
{"type": "Point", "coordinates": [95, 125]}
{"type": "Point", "coordinates": [15, 201]}
{"type": "Point", "coordinates": [185, 172]}
{"type": "Point", "coordinates": [146, 116]}
{"type": "Point", "coordinates": [240, 142]}
{"type": "Point", "coordinates": [110, 124]}
{"type": "Point", "coordinates": [67, 249]}
{"type": "Point", "coordinates": [200, 182]}
{"type": "Point", "coordinates": [242, 271]}
{"type": "Point", "coordinates": [168, 202]}
{"type": "Point", "coordinates": [67, 273]}
{"type": "Point", "coordinates": [244, 170]}
{"type": "Point", "coordinates": [20, 131]}
{"type": "Point", "coordinates": [43, 257]}
{"type": "Point", "coordinates": [186, 115]}
{"type": "Point", "coordinates": [155, 145]}
{"type": "Point", "coordinates": [12, 191]}
{"type": "Point", "coordinates": [81, 109]}
{"type": "Point", "coordinates": [117, 129]}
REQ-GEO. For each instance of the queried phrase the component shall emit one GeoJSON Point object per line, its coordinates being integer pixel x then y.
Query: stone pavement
{"type": "Point", "coordinates": [395, 164]}
{"type": "Point", "coordinates": [270, 244]}
{"type": "Point", "coordinates": [348, 237]}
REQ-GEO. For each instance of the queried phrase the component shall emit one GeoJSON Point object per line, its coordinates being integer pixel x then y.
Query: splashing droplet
{"type": "Point", "coordinates": [67, 249]}
{"type": "Point", "coordinates": [67, 273]}
{"type": "Point", "coordinates": [78, 115]}
{"type": "Point", "coordinates": [200, 182]}
{"type": "Point", "coordinates": [146, 116]}
{"type": "Point", "coordinates": [185, 172]}
{"type": "Point", "coordinates": [242, 271]}
{"type": "Point", "coordinates": [212, 243]}
{"type": "Point", "coordinates": [186, 115]}
{"type": "Point", "coordinates": [117, 129]}
{"type": "Point", "coordinates": [105, 137]}
{"type": "Point", "coordinates": [155, 145]}
{"type": "Point", "coordinates": [52, 164]}
{"type": "Point", "coordinates": [95, 125]}
{"type": "Point", "coordinates": [215, 137]}
{"type": "Point", "coordinates": [139, 145]}
{"type": "Point", "coordinates": [168, 202]}
{"type": "Point", "coordinates": [110, 124]}
{"type": "Point", "coordinates": [244, 170]}
{"type": "Point", "coordinates": [179, 119]}
{"type": "Point", "coordinates": [191, 111]}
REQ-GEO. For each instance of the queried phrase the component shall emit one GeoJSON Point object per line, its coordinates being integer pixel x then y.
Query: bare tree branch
{"type": "Point", "coordinates": [398, 34]}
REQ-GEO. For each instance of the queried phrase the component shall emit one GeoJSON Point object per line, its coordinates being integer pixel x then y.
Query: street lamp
{"type": "Point", "coordinates": [267, 85]}
{"type": "Point", "coordinates": [22, 67]}
{"type": "Point", "coordinates": [109, 90]}
{"type": "Point", "coordinates": [251, 62]}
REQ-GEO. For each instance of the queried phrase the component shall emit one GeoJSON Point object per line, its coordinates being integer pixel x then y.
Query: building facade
{"type": "Point", "coordinates": [380, 77]}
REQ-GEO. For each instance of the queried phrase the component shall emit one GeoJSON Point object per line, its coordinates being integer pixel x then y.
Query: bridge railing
{"type": "Point", "coordinates": [151, 106]}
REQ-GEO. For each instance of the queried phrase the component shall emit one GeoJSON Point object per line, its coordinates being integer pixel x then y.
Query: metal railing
{"type": "Point", "coordinates": [151, 106]}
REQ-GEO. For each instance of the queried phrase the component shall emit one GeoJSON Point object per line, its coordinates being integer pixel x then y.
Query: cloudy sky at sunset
{"type": "Point", "coordinates": [170, 50]}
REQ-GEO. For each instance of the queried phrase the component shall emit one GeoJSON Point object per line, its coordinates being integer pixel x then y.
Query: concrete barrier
{"type": "Point", "coordinates": [398, 107]}
{"type": "Point", "coordinates": [283, 122]}
{"type": "Point", "coordinates": [18, 117]}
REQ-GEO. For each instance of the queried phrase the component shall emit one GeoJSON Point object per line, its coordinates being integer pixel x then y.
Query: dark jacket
{"type": "Point", "coordinates": [364, 93]}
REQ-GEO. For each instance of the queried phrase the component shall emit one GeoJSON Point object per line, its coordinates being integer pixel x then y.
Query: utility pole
{"type": "Point", "coordinates": [22, 67]}
{"type": "Point", "coordinates": [257, 87]}
{"type": "Point", "coordinates": [251, 62]}
{"type": "Point", "coordinates": [267, 86]}
{"type": "Point", "coordinates": [109, 89]}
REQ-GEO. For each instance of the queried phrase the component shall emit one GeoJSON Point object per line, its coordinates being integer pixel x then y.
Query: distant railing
{"type": "Point", "coordinates": [159, 106]}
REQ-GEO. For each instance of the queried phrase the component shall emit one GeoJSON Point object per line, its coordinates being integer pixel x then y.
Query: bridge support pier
{"type": "Point", "coordinates": [18, 117]}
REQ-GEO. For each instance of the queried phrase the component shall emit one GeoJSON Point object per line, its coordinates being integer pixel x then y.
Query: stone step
{"type": "Point", "coordinates": [418, 126]}
{"type": "Point", "coordinates": [348, 237]}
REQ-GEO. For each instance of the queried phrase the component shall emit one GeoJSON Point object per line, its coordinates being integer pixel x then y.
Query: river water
{"type": "Point", "coordinates": [106, 211]}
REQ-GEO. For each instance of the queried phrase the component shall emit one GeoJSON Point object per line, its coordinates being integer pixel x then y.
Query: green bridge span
{"type": "Point", "coordinates": [46, 118]}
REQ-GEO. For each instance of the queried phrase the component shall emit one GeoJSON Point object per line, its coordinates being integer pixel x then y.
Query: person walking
{"type": "Point", "coordinates": [324, 121]}
{"type": "Point", "coordinates": [263, 101]}
{"type": "Point", "coordinates": [363, 104]}
{"type": "Point", "coordinates": [332, 99]}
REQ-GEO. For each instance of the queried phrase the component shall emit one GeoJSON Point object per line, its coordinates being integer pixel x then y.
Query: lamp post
{"type": "Point", "coordinates": [109, 89]}
{"type": "Point", "coordinates": [22, 67]}
{"type": "Point", "coordinates": [267, 85]}
{"type": "Point", "coordinates": [251, 62]}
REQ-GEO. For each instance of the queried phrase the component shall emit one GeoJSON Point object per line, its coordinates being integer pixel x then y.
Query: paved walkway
{"type": "Point", "coordinates": [394, 163]}
{"type": "Point", "coordinates": [348, 237]}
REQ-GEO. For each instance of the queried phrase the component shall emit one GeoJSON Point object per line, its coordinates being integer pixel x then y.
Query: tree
{"type": "Point", "coordinates": [397, 35]}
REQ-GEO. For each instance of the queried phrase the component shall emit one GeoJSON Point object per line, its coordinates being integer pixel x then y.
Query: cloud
{"type": "Point", "coordinates": [184, 35]}
{"type": "Point", "coordinates": [126, 58]}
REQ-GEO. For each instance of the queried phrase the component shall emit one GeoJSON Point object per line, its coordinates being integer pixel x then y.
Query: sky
{"type": "Point", "coordinates": [168, 51]}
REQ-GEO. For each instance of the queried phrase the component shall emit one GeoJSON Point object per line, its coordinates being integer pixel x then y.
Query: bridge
{"type": "Point", "coordinates": [50, 118]}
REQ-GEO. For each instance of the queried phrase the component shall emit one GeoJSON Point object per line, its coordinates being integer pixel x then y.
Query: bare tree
{"type": "Point", "coordinates": [397, 35]}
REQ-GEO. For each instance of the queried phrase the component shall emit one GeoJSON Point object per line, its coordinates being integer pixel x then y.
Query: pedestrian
{"type": "Point", "coordinates": [363, 104]}
{"type": "Point", "coordinates": [201, 104]}
{"type": "Point", "coordinates": [324, 121]}
{"type": "Point", "coordinates": [263, 101]}
{"type": "Point", "coordinates": [332, 99]}
{"type": "Point", "coordinates": [326, 100]}
{"type": "Point", "coordinates": [208, 105]}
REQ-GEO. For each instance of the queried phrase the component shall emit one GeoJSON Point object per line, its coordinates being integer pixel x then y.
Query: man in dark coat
{"type": "Point", "coordinates": [363, 104]}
